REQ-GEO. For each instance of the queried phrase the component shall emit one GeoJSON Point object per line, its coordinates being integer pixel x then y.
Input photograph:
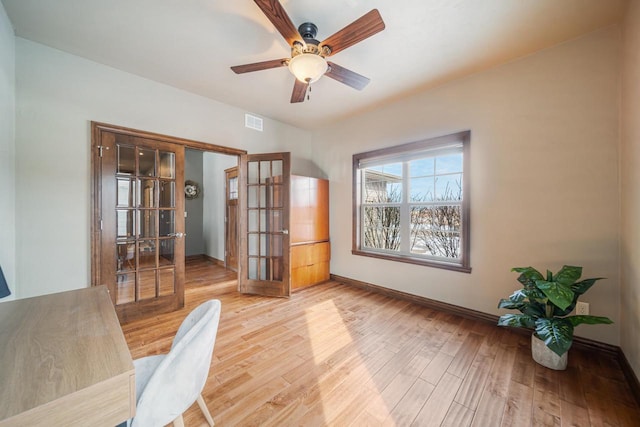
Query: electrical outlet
{"type": "Point", "coordinates": [582, 308]}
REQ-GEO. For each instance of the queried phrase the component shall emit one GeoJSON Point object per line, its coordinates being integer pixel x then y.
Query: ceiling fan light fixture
{"type": "Point", "coordinates": [308, 67]}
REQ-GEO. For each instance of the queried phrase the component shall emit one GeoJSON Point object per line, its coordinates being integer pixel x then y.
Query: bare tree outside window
{"type": "Point", "coordinates": [435, 229]}
{"type": "Point", "coordinates": [382, 223]}
{"type": "Point", "coordinates": [412, 203]}
{"type": "Point", "coordinates": [435, 218]}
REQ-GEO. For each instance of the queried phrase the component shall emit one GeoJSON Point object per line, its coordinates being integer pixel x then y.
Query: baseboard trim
{"type": "Point", "coordinates": [425, 302]}
{"type": "Point", "coordinates": [215, 260]}
{"type": "Point", "coordinates": [204, 256]}
{"type": "Point", "coordinates": [578, 342]}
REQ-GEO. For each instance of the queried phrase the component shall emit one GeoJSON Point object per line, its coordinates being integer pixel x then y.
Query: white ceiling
{"type": "Point", "coordinates": [190, 44]}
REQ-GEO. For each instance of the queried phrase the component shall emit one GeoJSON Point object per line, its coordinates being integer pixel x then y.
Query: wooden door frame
{"type": "Point", "coordinates": [97, 129]}
{"type": "Point", "coordinates": [228, 172]}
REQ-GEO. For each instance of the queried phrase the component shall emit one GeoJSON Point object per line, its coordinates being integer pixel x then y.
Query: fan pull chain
{"type": "Point", "coordinates": [309, 93]}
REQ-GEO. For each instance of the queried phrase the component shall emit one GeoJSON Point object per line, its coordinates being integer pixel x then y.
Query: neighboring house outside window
{"type": "Point", "coordinates": [411, 202]}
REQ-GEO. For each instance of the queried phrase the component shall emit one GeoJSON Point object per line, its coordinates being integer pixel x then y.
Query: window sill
{"type": "Point", "coordinates": [416, 261]}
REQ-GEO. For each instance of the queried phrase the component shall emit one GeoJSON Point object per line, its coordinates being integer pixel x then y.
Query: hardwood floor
{"type": "Point", "coordinates": [338, 355]}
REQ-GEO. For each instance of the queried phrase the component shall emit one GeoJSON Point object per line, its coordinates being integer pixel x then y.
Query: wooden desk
{"type": "Point", "coordinates": [64, 362]}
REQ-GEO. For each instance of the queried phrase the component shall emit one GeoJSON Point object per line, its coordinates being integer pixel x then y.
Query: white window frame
{"type": "Point", "coordinates": [433, 147]}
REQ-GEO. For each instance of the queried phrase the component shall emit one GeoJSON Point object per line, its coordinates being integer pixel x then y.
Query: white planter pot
{"type": "Point", "coordinates": [547, 358]}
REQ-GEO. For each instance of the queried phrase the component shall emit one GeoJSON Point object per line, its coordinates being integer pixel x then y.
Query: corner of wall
{"type": "Point", "coordinates": [630, 188]}
{"type": "Point", "coordinates": [7, 152]}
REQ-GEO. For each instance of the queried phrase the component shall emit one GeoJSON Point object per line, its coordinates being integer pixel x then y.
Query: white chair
{"type": "Point", "coordinates": [167, 385]}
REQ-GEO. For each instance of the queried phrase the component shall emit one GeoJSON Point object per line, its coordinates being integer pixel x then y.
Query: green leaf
{"type": "Point", "coordinates": [509, 304]}
{"type": "Point", "coordinates": [528, 276]}
{"type": "Point", "coordinates": [568, 275]}
{"type": "Point", "coordinates": [517, 320]}
{"type": "Point", "coordinates": [558, 293]}
{"type": "Point", "coordinates": [534, 294]}
{"type": "Point", "coordinates": [583, 286]}
{"type": "Point", "coordinates": [558, 312]}
{"type": "Point", "coordinates": [557, 334]}
{"type": "Point", "coordinates": [533, 309]}
{"type": "Point", "coordinates": [518, 296]}
{"type": "Point", "coordinates": [589, 320]}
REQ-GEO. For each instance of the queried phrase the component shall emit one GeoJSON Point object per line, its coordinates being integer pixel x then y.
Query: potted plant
{"type": "Point", "coordinates": [545, 304]}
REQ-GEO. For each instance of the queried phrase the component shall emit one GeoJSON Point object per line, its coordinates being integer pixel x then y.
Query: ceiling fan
{"type": "Point", "coordinates": [307, 62]}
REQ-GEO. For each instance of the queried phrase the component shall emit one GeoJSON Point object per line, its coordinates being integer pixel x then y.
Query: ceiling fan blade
{"type": "Point", "coordinates": [279, 18]}
{"type": "Point", "coordinates": [299, 91]}
{"type": "Point", "coordinates": [360, 29]}
{"type": "Point", "coordinates": [257, 66]}
{"type": "Point", "coordinates": [348, 77]}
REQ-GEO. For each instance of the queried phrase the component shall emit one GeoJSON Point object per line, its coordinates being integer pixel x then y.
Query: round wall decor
{"type": "Point", "coordinates": [191, 189]}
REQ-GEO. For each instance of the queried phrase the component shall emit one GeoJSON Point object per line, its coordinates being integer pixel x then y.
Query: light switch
{"type": "Point", "coordinates": [185, 214]}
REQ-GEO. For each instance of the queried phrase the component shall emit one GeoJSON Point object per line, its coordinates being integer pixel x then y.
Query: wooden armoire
{"type": "Point", "coordinates": [309, 231]}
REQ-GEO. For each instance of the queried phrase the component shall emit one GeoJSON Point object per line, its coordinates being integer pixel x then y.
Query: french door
{"type": "Point", "coordinates": [264, 224]}
{"type": "Point", "coordinates": [141, 222]}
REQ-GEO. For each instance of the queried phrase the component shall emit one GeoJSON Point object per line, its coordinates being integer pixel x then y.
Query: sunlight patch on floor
{"type": "Point", "coordinates": [326, 339]}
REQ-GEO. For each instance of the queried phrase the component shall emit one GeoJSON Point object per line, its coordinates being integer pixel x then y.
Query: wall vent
{"type": "Point", "coordinates": [253, 122]}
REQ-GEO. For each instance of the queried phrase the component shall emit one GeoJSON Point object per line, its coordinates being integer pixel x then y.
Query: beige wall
{"type": "Point", "coordinates": [544, 167]}
{"type": "Point", "coordinates": [544, 175]}
{"type": "Point", "coordinates": [7, 152]}
{"type": "Point", "coordinates": [58, 95]}
{"type": "Point", "coordinates": [630, 192]}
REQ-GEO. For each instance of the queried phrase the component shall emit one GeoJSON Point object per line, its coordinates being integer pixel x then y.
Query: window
{"type": "Point", "coordinates": [411, 202]}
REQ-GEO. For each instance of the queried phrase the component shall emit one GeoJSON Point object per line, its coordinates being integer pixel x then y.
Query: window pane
{"type": "Point", "coordinates": [147, 194]}
{"type": "Point", "coordinates": [382, 188]}
{"type": "Point", "coordinates": [167, 194]}
{"type": "Point", "coordinates": [436, 231]}
{"type": "Point", "coordinates": [253, 242]}
{"type": "Point", "coordinates": [276, 196]}
{"type": "Point", "coordinates": [275, 222]}
{"type": "Point", "coordinates": [254, 224]}
{"type": "Point", "coordinates": [449, 164]}
{"type": "Point", "coordinates": [126, 256]}
{"type": "Point", "coordinates": [167, 252]}
{"type": "Point", "coordinates": [252, 273]}
{"type": "Point", "coordinates": [449, 187]}
{"type": "Point", "coordinates": [421, 189]}
{"type": "Point", "coordinates": [252, 177]}
{"type": "Point", "coordinates": [147, 223]}
{"type": "Point", "coordinates": [276, 167]}
{"type": "Point", "coordinates": [381, 228]}
{"type": "Point", "coordinates": [167, 223]}
{"type": "Point", "coordinates": [265, 171]}
{"type": "Point", "coordinates": [126, 160]}
{"type": "Point", "coordinates": [147, 254]}
{"type": "Point", "coordinates": [167, 165]}
{"type": "Point", "coordinates": [422, 167]}
{"type": "Point", "coordinates": [147, 162]}
{"type": "Point", "coordinates": [233, 188]}
{"type": "Point", "coordinates": [124, 223]}
{"type": "Point", "coordinates": [125, 192]}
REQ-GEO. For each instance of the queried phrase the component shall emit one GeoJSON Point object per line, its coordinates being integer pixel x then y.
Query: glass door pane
{"type": "Point", "coordinates": [264, 213]}
{"type": "Point", "coordinates": [145, 223]}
